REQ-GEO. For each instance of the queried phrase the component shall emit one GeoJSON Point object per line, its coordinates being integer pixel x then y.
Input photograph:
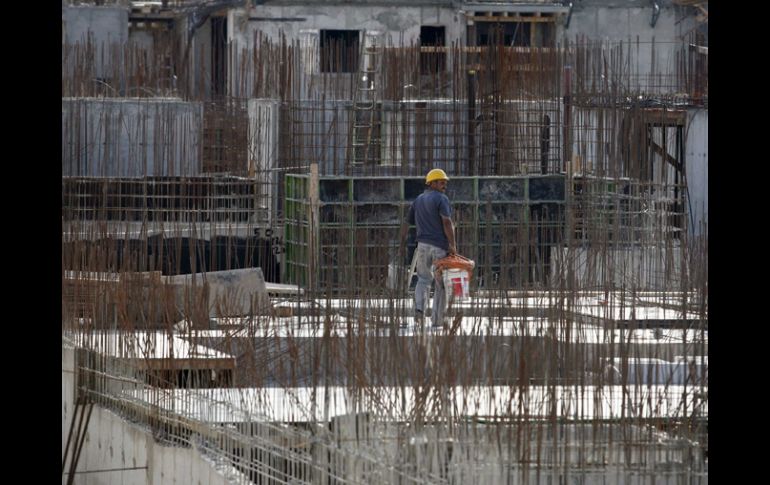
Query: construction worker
{"type": "Point", "coordinates": [431, 212]}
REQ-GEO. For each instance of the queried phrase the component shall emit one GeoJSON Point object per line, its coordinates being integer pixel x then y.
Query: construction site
{"type": "Point", "coordinates": [237, 301]}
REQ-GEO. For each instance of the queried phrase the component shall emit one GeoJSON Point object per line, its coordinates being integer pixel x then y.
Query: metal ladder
{"type": "Point", "coordinates": [366, 116]}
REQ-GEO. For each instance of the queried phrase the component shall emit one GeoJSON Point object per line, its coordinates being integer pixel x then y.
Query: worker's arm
{"type": "Point", "coordinates": [449, 231]}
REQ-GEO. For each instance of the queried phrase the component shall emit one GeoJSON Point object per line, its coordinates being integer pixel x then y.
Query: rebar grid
{"type": "Point", "coordinates": [595, 367]}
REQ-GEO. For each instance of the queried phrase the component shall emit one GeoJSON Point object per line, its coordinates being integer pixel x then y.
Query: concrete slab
{"type": "Point", "coordinates": [151, 349]}
{"type": "Point", "coordinates": [340, 327]}
{"type": "Point", "coordinates": [309, 404]}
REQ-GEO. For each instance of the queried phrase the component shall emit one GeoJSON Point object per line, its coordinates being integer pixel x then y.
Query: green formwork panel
{"type": "Point", "coordinates": [360, 219]}
{"type": "Point", "coordinates": [296, 230]}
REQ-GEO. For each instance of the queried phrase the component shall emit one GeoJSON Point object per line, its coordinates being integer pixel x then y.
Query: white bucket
{"type": "Point", "coordinates": [456, 283]}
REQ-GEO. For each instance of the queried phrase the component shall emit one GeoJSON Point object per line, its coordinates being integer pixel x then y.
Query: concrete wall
{"type": "Point", "coordinates": [617, 20]}
{"type": "Point", "coordinates": [388, 19]}
{"type": "Point", "coordinates": [303, 24]}
{"type": "Point", "coordinates": [200, 59]}
{"type": "Point", "coordinates": [105, 26]}
{"type": "Point", "coordinates": [651, 49]}
{"type": "Point", "coordinates": [263, 150]}
{"type": "Point", "coordinates": [629, 22]}
{"type": "Point", "coordinates": [610, 20]}
{"type": "Point", "coordinates": [112, 442]}
{"type": "Point", "coordinates": [158, 43]}
{"type": "Point", "coordinates": [131, 137]}
{"type": "Point", "coordinates": [142, 39]}
{"type": "Point", "coordinates": [697, 166]}
{"type": "Point", "coordinates": [67, 392]}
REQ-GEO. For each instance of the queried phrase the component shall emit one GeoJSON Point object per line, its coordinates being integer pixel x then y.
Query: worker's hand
{"type": "Point", "coordinates": [452, 249]}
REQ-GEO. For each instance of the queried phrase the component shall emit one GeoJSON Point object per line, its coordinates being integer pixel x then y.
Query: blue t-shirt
{"type": "Point", "coordinates": [426, 212]}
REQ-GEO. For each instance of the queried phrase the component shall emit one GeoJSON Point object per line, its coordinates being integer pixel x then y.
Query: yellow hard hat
{"type": "Point", "coordinates": [435, 174]}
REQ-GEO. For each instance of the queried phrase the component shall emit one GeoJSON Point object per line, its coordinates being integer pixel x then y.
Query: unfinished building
{"type": "Point", "coordinates": [235, 306]}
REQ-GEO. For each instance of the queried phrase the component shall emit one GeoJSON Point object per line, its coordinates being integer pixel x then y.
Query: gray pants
{"type": "Point", "coordinates": [426, 256]}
